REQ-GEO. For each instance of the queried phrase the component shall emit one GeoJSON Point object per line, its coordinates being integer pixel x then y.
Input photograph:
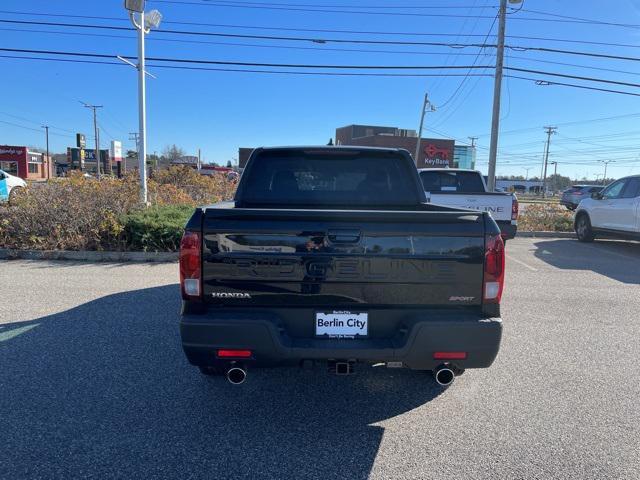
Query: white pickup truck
{"type": "Point", "coordinates": [454, 187]}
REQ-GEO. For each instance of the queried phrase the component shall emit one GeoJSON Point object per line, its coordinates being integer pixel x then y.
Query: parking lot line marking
{"type": "Point", "coordinates": [9, 334]}
{"type": "Point", "coordinates": [522, 263]}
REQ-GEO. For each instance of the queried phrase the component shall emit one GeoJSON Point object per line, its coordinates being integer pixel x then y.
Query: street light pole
{"type": "Point", "coordinates": [144, 24]}
{"type": "Point", "coordinates": [142, 114]}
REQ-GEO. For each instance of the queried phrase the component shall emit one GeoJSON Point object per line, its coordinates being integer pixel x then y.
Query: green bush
{"type": "Point", "coordinates": [157, 228]}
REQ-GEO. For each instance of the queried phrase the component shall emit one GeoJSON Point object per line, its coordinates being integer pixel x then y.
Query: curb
{"type": "Point", "coordinates": [89, 256]}
{"type": "Point", "coordinates": [546, 234]}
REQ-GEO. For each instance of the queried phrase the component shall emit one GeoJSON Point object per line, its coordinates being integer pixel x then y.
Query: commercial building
{"type": "Point", "coordinates": [433, 152]}
{"type": "Point", "coordinates": [24, 163]}
{"type": "Point", "coordinates": [464, 156]}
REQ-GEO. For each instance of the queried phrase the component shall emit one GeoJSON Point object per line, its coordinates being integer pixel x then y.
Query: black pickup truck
{"type": "Point", "coordinates": [333, 255]}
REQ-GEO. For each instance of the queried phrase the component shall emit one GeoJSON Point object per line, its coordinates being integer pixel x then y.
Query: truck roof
{"type": "Point", "coordinates": [354, 148]}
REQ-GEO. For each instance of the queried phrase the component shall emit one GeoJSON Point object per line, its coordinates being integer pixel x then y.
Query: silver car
{"type": "Point", "coordinates": [572, 196]}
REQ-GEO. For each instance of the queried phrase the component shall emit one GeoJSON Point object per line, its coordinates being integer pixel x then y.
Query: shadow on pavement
{"type": "Point", "coordinates": [103, 390]}
{"type": "Point", "coordinates": [618, 260]}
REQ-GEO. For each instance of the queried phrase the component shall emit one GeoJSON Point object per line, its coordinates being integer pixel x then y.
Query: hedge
{"type": "Point", "coordinates": [78, 213]}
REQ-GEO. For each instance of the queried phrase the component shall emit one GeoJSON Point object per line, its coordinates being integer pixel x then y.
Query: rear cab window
{"type": "Point", "coordinates": [329, 178]}
{"type": "Point", "coordinates": [439, 181]}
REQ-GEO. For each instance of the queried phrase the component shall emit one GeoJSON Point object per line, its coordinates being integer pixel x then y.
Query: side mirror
{"type": "Point", "coordinates": [596, 196]}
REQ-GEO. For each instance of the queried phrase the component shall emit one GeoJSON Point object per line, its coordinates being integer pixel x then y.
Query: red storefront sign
{"type": "Point", "coordinates": [9, 153]}
{"type": "Point", "coordinates": [435, 156]}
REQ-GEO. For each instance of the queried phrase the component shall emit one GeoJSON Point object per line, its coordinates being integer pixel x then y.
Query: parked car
{"type": "Point", "coordinates": [456, 187]}
{"type": "Point", "coordinates": [332, 255]}
{"type": "Point", "coordinates": [9, 185]}
{"type": "Point", "coordinates": [572, 196]}
{"type": "Point", "coordinates": [613, 212]}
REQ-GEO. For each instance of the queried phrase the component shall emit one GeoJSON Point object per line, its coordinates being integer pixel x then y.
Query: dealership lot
{"type": "Point", "coordinates": [94, 384]}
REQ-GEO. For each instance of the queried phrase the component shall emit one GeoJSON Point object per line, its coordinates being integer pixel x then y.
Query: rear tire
{"type": "Point", "coordinates": [583, 228]}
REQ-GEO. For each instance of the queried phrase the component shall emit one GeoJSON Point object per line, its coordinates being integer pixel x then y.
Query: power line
{"type": "Point", "coordinates": [323, 66]}
{"type": "Point", "coordinates": [205, 42]}
{"type": "Point", "coordinates": [326, 30]}
{"type": "Point", "coordinates": [320, 49]}
{"type": "Point", "coordinates": [39, 130]}
{"type": "Point", "coordinates": [320, 9]}
{"type": "Point", "coordinates": [334, 40]}
{"type": "Point", "coordinates": [250, 64]}
{"type": "Point", "coordinates": [261, 37]}
{"type": "Point", "coordinates": [475, 60]}
{"type": "Point", "coordinates": [580, 19]}
{"type": "Point", "coordinates": [575, 77]}
{"type": "Point", "coordinates": [283, 72]}
{"type": "Point", "coordinates": [183, 67]}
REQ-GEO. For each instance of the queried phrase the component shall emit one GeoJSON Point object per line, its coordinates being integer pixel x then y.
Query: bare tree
{"type": "Point", "coordinates": [172, 152]}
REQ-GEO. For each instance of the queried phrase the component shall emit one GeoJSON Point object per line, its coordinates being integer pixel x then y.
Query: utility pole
{"type": "Point", "coordinates": [473, 141]}
{"type": "Point", "coordinates": [555, 173]}
{"type": "Point", "coordinates": [550, 131]}
{"type": "Point", "coordinates": [48, 163]}
{"type": "Point", "coordinates": [527, 170]}
{"type": "Point", "coordinates": [97, 135]}
{"type": "Point", "coordinates": [426, 106]}
{"type": "Point", "coordinates": [606, 162]}
{"type": "Point", "coordinates": [497, 89]}
{"type": "Point", "coordinates": [134, 139]}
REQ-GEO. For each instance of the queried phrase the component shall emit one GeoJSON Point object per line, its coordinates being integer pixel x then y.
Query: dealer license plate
{"type": "Point", "coordinates": [342, 324]}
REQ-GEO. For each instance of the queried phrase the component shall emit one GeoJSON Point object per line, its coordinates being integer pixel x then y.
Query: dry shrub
{"type": "Point", "coordinates": [202, 189]}
{"type": "Point", "coordinates": [546, 218]}
{"type": "Point", "coordinates": [73, 213]}
{"type": "Point", "coordinates": [78, 213]}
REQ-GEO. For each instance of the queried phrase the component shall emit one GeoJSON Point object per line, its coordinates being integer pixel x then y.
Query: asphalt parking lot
{"type": "Point", "coordinates": [93, 383]}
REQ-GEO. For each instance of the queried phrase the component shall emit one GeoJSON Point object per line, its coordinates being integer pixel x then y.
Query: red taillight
{"type": "Point", "coordinates": [449, 355]}
{"type": "Point", "coordinates": [514, 209]}
{"type": "Point", "coordinates": [493, 269]}
{"type": "Point", "coordinates": [190, 270]}
{"type": "Point", "coordinates": [577, 193]}
{"type": "Point", "coordinates": [234, 353]}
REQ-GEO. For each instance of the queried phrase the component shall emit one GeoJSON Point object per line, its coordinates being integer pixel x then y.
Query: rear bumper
{"type": "Point", "coordinates": [414, 345]}
{"type": "Point", "coordinates": [508, 229]}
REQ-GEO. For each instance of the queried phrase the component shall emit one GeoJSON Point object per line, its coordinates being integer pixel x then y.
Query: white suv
{"type": "Point", "coordinates": [613, 212]}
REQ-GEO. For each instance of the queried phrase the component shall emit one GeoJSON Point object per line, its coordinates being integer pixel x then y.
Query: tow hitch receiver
{"type": "Point", "coordinates": [341, 367]}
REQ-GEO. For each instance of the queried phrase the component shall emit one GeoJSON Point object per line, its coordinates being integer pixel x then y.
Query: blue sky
{"type": "Point", "coordinates": [220, 111]}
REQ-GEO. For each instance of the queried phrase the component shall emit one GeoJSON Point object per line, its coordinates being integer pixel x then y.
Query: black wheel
{"type": "Point", "coordinates": [583, 228]}
{"type": "Point", "coordinates": [210, 371]}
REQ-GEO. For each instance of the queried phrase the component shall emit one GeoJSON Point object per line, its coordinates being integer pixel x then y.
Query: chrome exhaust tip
{"type": "Point", "coordinates": [236, 375]}
{"type": "Point", "coordinates": [444, 375]}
